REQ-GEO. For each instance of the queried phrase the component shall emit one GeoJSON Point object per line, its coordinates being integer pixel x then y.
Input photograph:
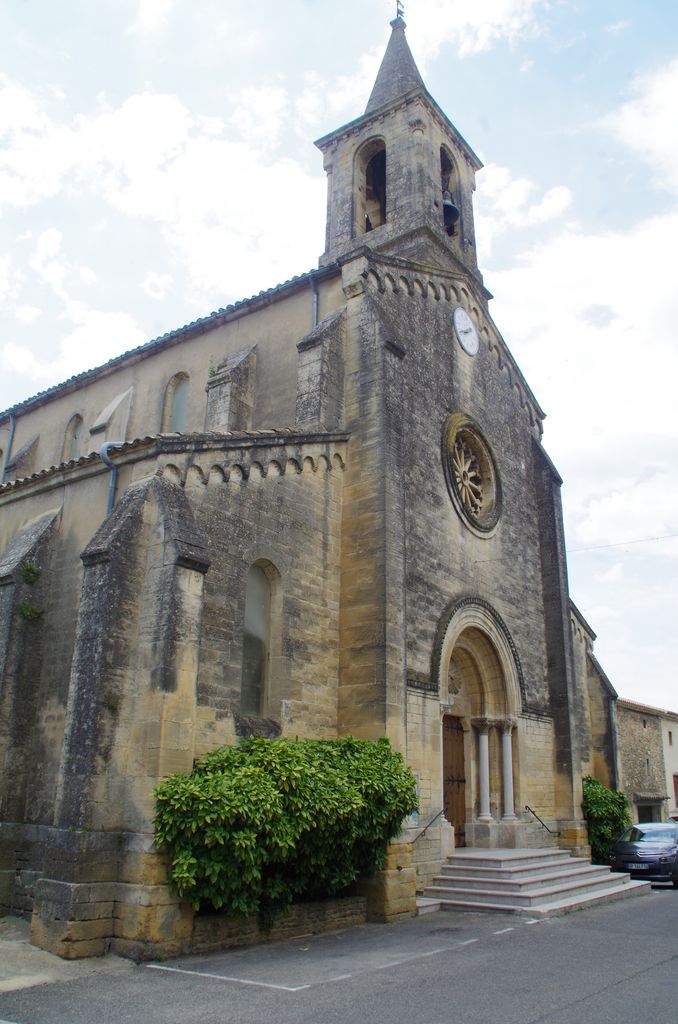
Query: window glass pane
{"type": "Point", "coordinates": [179, 414]}
{"type": "Point", "coordinates": [255, 641]}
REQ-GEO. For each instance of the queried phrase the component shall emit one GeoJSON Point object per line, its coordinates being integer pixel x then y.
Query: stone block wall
{"type": "Point", "coordinates": [641, 752]}
{"type": "Point", "coordinates": [391, 893]}
{"type": "Point", "coordinates": [537, 754]}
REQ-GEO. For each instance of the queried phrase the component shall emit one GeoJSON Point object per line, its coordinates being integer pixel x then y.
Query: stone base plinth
{"type": "Point", "coordinates": [391, 894]}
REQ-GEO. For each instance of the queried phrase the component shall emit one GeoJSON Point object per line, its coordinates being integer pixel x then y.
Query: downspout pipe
{"type": "Point", "coordinates": [107, 461]}
{"type": "Point", "coordinates": [10, 441]}
{"type": "Point", "coordinates": [314, 302]}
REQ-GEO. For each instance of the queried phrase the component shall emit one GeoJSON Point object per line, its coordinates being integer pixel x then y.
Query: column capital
{"type": "Point", "coordinates": [483, 725]}
{"type": "Point", "coordinates": [508, 724]}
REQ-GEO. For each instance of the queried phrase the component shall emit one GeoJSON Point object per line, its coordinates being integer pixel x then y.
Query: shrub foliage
{"type": "Point", "coordinates": [256, 826]}
{"type": "Point", "coordinates": [607, 815]}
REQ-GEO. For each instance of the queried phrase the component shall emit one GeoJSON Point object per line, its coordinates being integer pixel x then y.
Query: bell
{"type": "Point", "coordinates": [450, 213]}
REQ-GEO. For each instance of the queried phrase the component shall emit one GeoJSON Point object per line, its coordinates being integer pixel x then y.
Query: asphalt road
{"type": "Point", "coordinates": [615, 964]}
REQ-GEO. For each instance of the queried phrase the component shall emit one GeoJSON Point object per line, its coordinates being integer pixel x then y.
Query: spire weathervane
{"type": "Point", "coordinates": [400, 10]}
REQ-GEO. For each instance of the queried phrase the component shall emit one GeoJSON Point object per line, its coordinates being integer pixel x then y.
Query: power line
{"type": "Point", "coordinates": [623, 543]}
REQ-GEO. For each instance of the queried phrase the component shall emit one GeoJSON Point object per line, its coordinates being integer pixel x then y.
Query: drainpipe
{"type": "Point", "coordinates": [105, 458]}
{"type": "Point", "coordinates": [8, 453]}
{"type": "Point", "coordinates": [314, 302]}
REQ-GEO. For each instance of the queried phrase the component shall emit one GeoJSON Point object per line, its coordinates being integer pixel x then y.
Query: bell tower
{"type": "Point", "coordinates": [401, 177]}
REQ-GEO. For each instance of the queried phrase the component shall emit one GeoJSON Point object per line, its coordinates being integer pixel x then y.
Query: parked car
{"type": "Point", "coordinates": [648, 851]}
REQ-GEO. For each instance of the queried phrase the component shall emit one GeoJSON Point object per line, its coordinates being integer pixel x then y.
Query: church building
{"type": "Point", "coordinates": [320, 511]}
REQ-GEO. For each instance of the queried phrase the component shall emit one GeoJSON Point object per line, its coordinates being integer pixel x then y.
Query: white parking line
{"type": "Point", "coordinates": [225, 977]}
{"type": "Point", "coordinates": [336, 977]}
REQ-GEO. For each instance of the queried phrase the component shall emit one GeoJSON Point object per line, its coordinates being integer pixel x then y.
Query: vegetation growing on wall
{"type": "Point", "coordinates": [29, 611]}
{"type": "Point", "coordinates": [256, 826]}
{"type": "Point", "coordinates": [607, 815]}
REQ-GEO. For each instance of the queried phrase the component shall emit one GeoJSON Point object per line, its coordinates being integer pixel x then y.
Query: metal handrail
{"type": "Point", "coordinates": [542, 823]}
{"type": "Point", "coordinates": [426, 827]}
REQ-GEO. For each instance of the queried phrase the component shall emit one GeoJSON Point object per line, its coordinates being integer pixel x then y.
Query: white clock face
{"type": "Point", "coordinates": [465, 331]}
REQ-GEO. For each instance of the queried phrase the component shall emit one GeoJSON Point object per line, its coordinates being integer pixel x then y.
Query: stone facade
{"type": "Point", "coordinates": [359, 442]}
{"type": "Point", "coordinates": [670, 750]}
{"type": "Point", "coordinates": [644, 777]}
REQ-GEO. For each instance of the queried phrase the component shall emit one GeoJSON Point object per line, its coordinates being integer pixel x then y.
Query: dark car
{"type": "Point", "coordinates": [648, 851]}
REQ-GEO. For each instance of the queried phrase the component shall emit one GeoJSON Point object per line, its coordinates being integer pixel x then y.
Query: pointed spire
{"type": "Point", "coordinates": [398, 73]}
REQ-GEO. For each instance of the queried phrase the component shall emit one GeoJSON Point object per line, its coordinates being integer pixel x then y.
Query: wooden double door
{"type": "Point", "coordinates": [454, 780]}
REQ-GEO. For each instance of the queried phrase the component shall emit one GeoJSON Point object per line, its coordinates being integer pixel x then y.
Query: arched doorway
{"type": "Point", "coordinates": [479, 680]}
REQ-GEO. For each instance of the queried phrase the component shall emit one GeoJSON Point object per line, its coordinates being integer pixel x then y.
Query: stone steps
{"type": "Point", "coordinates": [549, 881]}
{"type": "Point", "coordinates": [426, 906]}
{"type": "Point", "coordinates": [533, 882]}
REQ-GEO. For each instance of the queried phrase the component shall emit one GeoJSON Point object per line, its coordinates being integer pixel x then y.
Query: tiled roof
{"type": "Point", "coordinates": [631, 705]}
{"type": "Point", "coordinates": [169, 442]}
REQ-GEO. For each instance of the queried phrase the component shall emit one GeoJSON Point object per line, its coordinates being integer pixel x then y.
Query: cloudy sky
{"type": "Point", "coordinates": [156, 163]}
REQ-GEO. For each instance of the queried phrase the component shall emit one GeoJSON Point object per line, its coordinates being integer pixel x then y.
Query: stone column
{"type": "Point", "coordinates": [483, 727]}
{"type": "Point", "coordinates": [507, 766]}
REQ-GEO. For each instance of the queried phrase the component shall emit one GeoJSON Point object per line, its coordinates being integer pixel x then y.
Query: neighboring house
{"type": "Point", "coordinates": [646, 736]}
{"type": "Point", "coordinates": [323, 510]}
{"type": "Point", "coordinates": [670, 746]}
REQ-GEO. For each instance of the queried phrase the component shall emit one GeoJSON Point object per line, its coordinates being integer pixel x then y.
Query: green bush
{"type": "Point", "coordinates": [607, 815]}
{"type": "Point", "coordinates": [256, 826]}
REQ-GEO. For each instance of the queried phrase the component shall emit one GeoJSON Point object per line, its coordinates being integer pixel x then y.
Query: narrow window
{"type": "Point", "coordinates": [256, 642]}
{"type": "Point", "coordinates": [175, 410]}
{"type": "Point", "coordinates": [72, 439]}
{"type": "Point", "coordinates": [375, 191]}
{"type": "Point", "coordinates": [449, 186]}
{"type": "Point", "coordinates": [371, 187]}
{"type": "Point", "coordinates": [645, 723]}
{"type": "Point", "coordinates": [670, 738]}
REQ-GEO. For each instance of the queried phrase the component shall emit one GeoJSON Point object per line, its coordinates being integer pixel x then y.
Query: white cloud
{"type": "Point", "coordinates": [48, 262]}
{"type": "Point", "coordinates": [607, 380]}
{"type": "Point", "coordinates": [151, 15]}
{"type": "Point", "coordinates": [152, 159]}
{"type": "Point", "coordinates": [647, 123]}
{"type": "Point", "coordinates": [472, 27]}
{"type": "Point", "coordinates": [156, 285]}
{"type": "Point", "coordinates": [5, 271]}
{"type": "Point", "coordinates": [505, 202]}
{"type": "Point", "coordinates": [27, 314]}
{"type": "Point", "coordinates": [615, 27]}
{"type": "Point", "coordinates": [259, 115]}
{"type": "Point", "coordinates": [95, 337]}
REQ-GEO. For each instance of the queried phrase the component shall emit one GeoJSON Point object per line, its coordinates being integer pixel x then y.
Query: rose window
{"type": "Point", "coordinates": [467, 477]}
{"type": "Point", "coordinates": [471, 474]}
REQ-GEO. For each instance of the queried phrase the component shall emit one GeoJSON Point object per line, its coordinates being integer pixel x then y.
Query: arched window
{"type": "Point", "coordinates": [175, 409]}
{"type": "Point", "coordinates": [449, 182]}
{"type": "Point", "coordinates": [371, 175]}
{"type": "Point", "coordinates": [72, 439]}
{"type": "Point", "coordinates": [256, 646]}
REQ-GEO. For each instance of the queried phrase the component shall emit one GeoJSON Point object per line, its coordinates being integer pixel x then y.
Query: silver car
{"type": "Point", "coordinates": [648, 851]}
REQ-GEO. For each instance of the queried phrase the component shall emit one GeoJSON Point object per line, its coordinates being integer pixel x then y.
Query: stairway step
{"type": "Point", "coordinates": [625, 890]}
{"type": "Point", "coordinates": [425, 905]}
{"type": "Point", "coordinates": [504, 858]}
{"type": "Point", "coordinates": [576, 873]}
{"type": "Point", "coordinates": [524, 897]}
{"type": "Point", "coordinates": [463, 869]}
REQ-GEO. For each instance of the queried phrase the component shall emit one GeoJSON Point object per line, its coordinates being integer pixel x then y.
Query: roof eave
{"type": "Point", "coordinates": [326, 141]}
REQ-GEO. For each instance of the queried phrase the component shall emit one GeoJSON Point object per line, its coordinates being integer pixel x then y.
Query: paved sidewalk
{"type": "Point", "coordinates": [23, 965]}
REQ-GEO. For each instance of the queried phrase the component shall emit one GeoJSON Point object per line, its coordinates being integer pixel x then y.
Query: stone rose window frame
{"type": "Point", "coordinates": [471, 474]}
